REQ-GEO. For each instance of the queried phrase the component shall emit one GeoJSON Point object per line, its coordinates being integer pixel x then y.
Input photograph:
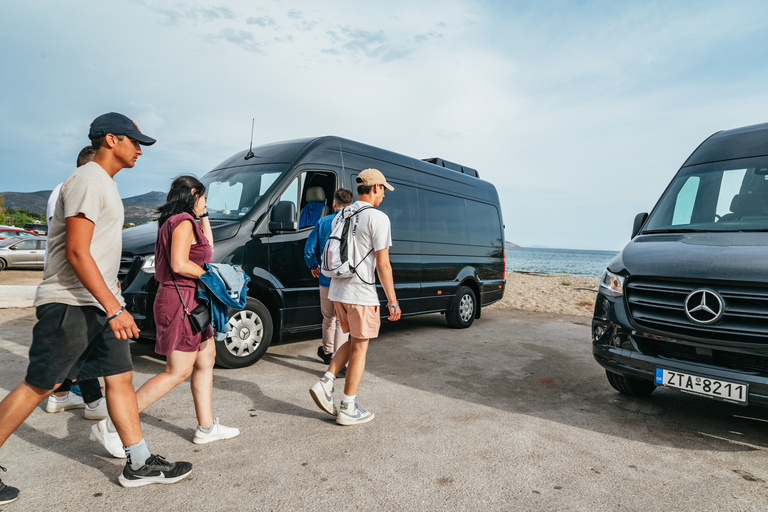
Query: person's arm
{"type": "Point", "coordinates": [205, 225]}
{"type": "Point", "coordinates": [182, 238]}
{"type": "Point", "coordinates": [310, 252]}
{"type": "Point", "coordinates": [78, 252]}
{"type": "Point", "coordinates": [384, 271]}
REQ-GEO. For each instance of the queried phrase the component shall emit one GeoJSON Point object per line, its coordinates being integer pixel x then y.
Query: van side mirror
{"type": "Point", "coordinates": [639, 221]}
{"type": "Point", "coordinates": [283, 217]}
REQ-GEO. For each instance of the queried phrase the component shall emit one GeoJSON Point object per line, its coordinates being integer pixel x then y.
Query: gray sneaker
{"type": "Point", "coordinates": [322, 394]}
{"type": "Point", "coordinates": [353, 414]}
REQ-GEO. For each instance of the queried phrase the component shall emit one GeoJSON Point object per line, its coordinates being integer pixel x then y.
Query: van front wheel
{"type": "Point", "coordinates": [249, 336]}
{"type": "Point", "coordinates": [463, 309]}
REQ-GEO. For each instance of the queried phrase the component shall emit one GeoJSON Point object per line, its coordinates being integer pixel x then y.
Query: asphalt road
{"type": "Point", "coordinates": [511, 414]}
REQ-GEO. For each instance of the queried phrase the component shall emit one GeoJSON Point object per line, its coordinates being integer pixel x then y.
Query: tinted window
{"type": "Point", "coordinates": [444, 218]}
{"type": "Point", "coordinates": [400, 205]}
{"type": "Point", "coordinates": [27, 245]}
{"type": "Point", "coordinates": [486, 229]}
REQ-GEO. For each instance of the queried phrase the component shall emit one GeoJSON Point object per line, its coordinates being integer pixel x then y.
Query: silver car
{"type": "Point", "coordinates": [23, 252]}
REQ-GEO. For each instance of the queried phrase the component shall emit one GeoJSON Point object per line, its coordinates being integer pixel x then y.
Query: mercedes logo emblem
{"type": "Point", "coordinates": [704, 306]}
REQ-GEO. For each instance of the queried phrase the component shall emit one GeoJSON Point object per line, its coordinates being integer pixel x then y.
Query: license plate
{"type": "Point", "coordinates": [705, 386]}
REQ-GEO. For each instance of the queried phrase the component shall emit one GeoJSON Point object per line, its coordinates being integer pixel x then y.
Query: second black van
{"type": "Point", "coordinates": [447, 233]}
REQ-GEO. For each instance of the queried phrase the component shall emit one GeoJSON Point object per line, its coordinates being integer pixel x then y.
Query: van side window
{"type": "Point", "coordinates": [399, 207]}
{"type": "Point", "coordinates": [445, 218]}
{"type": "Point", "coordinates": [312, 194]}
{"type": "Point", "coordinates": [486, 228]}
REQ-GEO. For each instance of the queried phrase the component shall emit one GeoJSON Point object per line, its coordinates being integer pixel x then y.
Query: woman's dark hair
{"type": "Point", "coordinates": [181, 198]}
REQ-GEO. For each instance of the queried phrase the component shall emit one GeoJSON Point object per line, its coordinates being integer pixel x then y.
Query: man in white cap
{"type": "Point", "coordinates": [355, 299]}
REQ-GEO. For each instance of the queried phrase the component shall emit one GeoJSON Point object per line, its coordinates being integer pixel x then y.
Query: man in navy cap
{"type": "Point", "coordinates": [83, 327]}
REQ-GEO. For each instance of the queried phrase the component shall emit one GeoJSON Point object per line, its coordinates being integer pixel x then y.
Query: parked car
{"type": "Point", "coordinates": [36, 227]}
{"type": "Point", "coordinates": [685, 303]}
{"type": "Point", "coordinates": [447, 232]}
{"type": "Point", "coordinates": [9, 232]}
{"type": "Point", "coordinates": [23, 252]}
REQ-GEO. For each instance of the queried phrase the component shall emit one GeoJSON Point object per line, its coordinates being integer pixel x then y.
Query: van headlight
{"type": "Point", "coordinates": [149, 264]}
{"type": "Point", "coordinates": [612, 284]}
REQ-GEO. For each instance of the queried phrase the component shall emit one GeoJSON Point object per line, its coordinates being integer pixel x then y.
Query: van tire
{"type": "Point", "coordinates": [630, 385]}
{"type": "Point", "coordinates": [463, 309]}
{"type": "Point", "coordinates": [249, 337]}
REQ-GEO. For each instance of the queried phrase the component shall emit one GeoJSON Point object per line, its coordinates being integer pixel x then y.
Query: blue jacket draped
{"type": "Point", "coordinates": [223, 286]}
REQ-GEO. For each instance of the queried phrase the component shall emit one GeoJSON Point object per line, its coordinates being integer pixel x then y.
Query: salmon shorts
{"type": "Point", "coordinates": [361, 322]}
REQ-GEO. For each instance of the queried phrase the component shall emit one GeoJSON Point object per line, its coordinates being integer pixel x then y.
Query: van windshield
{"type": "Point", "coordinates": [231, 193]}
{"type": "Point", "coordinates": [720, 196]}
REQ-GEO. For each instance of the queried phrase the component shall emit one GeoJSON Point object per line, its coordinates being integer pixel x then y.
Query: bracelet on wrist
{"type": "Point", "coordinates": [116, 314]}
{"type": "Point", "coordinates": [204, 215]}
{"type": "Point", "coordinates": [395, 305]}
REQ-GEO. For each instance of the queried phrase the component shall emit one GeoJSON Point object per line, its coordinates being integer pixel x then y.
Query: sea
{"type": "Point", "coordinates": [544, 261]}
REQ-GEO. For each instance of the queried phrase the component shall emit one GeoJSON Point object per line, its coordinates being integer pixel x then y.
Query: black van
{"type": "Point", "coordinates": [447, 234]}
{"type": "Point", "coordinates": [685, 304]}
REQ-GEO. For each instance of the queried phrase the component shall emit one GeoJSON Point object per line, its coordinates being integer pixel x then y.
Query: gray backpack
{"type": "Point", "coordinates": [336, 254]}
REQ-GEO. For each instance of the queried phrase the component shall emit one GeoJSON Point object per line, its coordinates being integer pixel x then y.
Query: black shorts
{"type": "Point", "coordinates": [74, 342]}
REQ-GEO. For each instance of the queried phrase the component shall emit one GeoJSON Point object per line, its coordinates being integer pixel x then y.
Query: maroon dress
{"type": "Point", "coordinates": [173, 329]}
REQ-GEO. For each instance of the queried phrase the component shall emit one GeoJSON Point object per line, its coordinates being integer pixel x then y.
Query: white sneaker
{"type": "Point", "coordinates": [322, 394]}
{"type": "Point", "coordinates": [72, 401]}
{"type": "Point", "coordinates": [110, 440]}
{"type": "Point", "coordinates": [96, 413]}
{"type": "Point", "coordinates": [353, 414]}
{"type": "Point", "coordinates": [218, 432]}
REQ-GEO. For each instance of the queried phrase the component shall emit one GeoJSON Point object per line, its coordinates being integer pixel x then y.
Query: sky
{"type": "Point", "coordinates": [579, 112]}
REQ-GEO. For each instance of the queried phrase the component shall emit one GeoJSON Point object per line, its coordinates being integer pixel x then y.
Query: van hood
{"type": "Point", "coordinates": [141, 239]}
{"type": "Point", "coordinates": [726, 256]}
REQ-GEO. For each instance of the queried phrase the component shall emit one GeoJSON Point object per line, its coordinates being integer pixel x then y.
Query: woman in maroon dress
{"type": "Point", "coordinates": [183, 245]}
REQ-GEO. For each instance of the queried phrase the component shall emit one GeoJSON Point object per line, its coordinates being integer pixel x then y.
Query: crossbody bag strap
{"type": "Point", "coordinates": [173, 275]}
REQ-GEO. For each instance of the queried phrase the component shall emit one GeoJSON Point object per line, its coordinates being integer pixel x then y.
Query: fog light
{"type": "Point", "coordinates": [598, 332]}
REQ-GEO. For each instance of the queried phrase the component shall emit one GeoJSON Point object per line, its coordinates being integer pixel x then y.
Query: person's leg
{"type": "Point", "coordinates": [91, 389]}
{"type": "Point", "coordinates": [358, 349]}
{"type": "Point", "coordinates": [123, 408]}
{"type": "Point", "coordinates": [19, 404]}
{"type": "Point", "coordinates": [178, 367]}
{"type": "Point", "coordinates": [64, 389]}
{"type": "Point", "coordinates": [329, 320]}
{"type": "Point", "coordinates": [201, 382]}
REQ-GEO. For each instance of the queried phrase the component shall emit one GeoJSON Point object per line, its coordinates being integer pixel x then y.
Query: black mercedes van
{"type": "Point", "coordinates": [447, 249]}
{"type": "Point", "coordinates": [685, 304]}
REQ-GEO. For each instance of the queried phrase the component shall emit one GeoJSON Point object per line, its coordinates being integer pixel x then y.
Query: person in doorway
{"type": "Point", "coordinates": [356, 301]}
{"type": "Point", "coordinates": [333, 336]}
{"type": "Point", "coordinates": [182, 247]}
{"type": "Point", "coordinates": [90, 397]}
{"type": "Point", "coordinates": [83, 328]}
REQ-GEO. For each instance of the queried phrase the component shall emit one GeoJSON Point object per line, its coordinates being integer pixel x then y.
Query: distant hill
{"type": "Point", "coordinates": [510, 244]}
{"type": "Point", "coordinates": [138, 209]}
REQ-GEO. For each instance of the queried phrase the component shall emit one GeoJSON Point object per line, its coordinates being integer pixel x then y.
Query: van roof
{"type": "Point", "coordinates": [744, 142]}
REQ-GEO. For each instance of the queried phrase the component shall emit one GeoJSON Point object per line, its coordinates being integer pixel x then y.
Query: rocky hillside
{"type": "Point", "coordinates": [138, 209]}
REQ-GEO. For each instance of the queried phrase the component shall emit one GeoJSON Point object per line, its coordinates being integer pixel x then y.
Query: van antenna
{"type": "Point", "coordinates": [250, 149]}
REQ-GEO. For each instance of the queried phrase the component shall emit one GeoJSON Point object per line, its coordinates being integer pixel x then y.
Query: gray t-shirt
{"type": "Point", "coordinates": [91, 191]}
{"type": "Point", "coordinates": [373, 232]}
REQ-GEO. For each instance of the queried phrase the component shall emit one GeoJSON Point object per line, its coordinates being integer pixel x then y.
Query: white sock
{"type": "Point", "coordinates": [95, 404]}
{"type": "Point", "coordinates": [61, 398]}
{"type": "Point", "coordinates": [348, 399]}
{"type": "Point", "coordinates": [330, 376]}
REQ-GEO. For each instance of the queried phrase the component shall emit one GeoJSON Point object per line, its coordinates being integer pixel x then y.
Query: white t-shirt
{"type": "Point", "coordinates": [49, 210]}
{"type": "Point", "coordinates": [91, 191]}
{"type": "Point", "coordinates": [372, 230]}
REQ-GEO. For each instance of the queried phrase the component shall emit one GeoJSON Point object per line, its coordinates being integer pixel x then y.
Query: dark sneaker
{"type": "Point", "coordinates": [326, 358]}
{"type": "Point", "coordinates": [157, 470]}
{"type": "Point", "coordinates": [7, 493]}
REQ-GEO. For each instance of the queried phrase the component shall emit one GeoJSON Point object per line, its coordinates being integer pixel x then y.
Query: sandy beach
{"type": "Point", "coordinates": [564, 295]}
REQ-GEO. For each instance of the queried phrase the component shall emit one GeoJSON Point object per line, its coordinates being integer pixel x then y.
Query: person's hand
{"type": "Point", "coordinates": [316, 272]}
{"type": "Point", "coordinates": [124, 326]}
{"type": "Point", "coordinates": [394, 312]}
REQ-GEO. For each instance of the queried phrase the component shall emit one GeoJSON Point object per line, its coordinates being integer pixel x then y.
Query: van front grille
{"type": "Point", "coordinates": [659, 304]}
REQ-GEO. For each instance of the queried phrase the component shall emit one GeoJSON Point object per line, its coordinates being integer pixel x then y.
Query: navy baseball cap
{"type": "Point", "coordinates": [117, 124]}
